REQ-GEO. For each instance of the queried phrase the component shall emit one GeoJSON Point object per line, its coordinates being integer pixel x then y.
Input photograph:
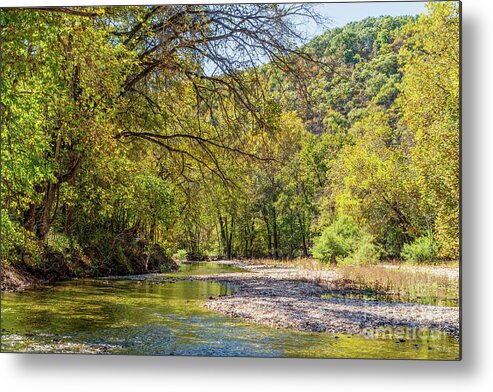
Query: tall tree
{"type": "Point", "coordinates": [431, 110]}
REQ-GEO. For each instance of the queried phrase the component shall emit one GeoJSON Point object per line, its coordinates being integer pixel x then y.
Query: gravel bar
{"type": "Point", "coordinates": [283, 297]}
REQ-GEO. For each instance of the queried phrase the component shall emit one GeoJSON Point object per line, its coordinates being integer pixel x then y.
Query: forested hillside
{"type": "Point", "coordinates": [132, 134]}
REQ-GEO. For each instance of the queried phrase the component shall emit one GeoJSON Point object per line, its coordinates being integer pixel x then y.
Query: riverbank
{"type": "Point", "coordinates": [127, 254]}
{"type": "Point", "coordinates": [14, 279]}
{"type": "Point", "coordinates": [304, 300]}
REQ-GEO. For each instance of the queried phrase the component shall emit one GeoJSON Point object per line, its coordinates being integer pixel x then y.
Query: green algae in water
{"type": "Point", "coordinates": [149, 318]}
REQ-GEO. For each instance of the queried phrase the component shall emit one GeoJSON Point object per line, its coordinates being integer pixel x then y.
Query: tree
{"type": "Point", "coordinates": [431, 112]}
{"type": "Point", "coordinates": [374, 183]}
{"type": "Point", "coordinates": [81, 82]}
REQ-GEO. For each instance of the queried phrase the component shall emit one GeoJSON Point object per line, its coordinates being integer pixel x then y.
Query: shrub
{"type": "Point", "coordinates": [366, 252]}
{"type": "Point", "coordinates": [12, 239]}
{"type": "Point", "coordinates": [344, 242]}
{"type": "Point", "coordinates": [392, 241]}
{"type": "Point", "coordinates": [181, 255]}
{"type": "Point", "coordinates": [61, 243]}
{"type": "Point", "coordinates": [336, 240]}
{"type": "Point", "coordinates": [17, 244]}
{"type": "Point", "coordinates": [423, 249]}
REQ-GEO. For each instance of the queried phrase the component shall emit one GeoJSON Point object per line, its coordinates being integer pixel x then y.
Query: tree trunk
{"type": "Point", "coordinates": [252, 236]}
{"type": "Point", "coordinates": [274, 233]}
{"type": "Point", "coordinates": [29, 217]}
{"type": "Point", "coordinates": [269, 237]}
{"type": "Point", "coordinates": [303, 236]}
{"type": "Point", "coordinates": [224, 235]}
{"type": "Point", "coordinates": [230, 241]}
{"type": "Point", "coordinates": [43, 213]}
{"type": "Point", "coordinates": [152, 231]}
{"type": "Point", "coordinates": [245, 238]}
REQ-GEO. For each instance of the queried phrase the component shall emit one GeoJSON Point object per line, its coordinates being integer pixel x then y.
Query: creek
{"type": "Point", "coordinates": [140, 317]}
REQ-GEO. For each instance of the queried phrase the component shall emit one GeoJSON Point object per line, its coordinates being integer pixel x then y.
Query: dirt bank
{"type": "Point", "coordinates": [132, 256]}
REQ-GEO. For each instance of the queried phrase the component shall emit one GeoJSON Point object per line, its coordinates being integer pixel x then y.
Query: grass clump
{"type": "Point", "coordinates": [304, 263]}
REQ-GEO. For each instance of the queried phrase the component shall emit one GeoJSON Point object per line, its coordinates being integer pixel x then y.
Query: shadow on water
{"type": "Point", "coordinates": [149, 318]}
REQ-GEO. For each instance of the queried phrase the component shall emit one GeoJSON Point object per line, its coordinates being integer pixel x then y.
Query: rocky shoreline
{"type": "Point", "coordinates": [282, 297]}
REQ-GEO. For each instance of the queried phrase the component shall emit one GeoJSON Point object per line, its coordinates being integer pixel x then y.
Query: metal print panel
{"type": "Point", "coordinates": [262, 180]}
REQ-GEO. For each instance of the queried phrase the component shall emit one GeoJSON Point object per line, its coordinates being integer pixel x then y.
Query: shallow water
{"type": "Point", "coordinates": [143, 317]}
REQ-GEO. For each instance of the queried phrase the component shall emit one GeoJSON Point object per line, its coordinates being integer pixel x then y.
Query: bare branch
{"type": "Point", "coordinates": [66, 10]}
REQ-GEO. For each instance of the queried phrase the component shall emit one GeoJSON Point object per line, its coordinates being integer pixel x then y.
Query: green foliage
{"type": "Point", "coordinates": [345, 243]}
{"type": "Point", "coordinates": [424, 249]}
{"type": "Point", "coordinates": [337, 240]}
{"type": "Point", "coordinates": [59, 243]}
{"type": "Point", "coordinates": [181, 255]}
{"type": "Point", "coordinates": [366, 252]}
{"type": "Point", "coordinates": [431, 75]}
{"type": "Point", "coordinates": [19, 246]}
{"type": "Point", "coordinates": [12, 239]}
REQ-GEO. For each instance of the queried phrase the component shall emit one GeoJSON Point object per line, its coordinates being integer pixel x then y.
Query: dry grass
{"type": "Point", "coordinates": [305, 263]}
{"type": "Point", "coordinates": [302, 269]}
{"type": "Point", "coordinates": [428, 284]}
{"type": "Point", "coordinates": [407, 284]}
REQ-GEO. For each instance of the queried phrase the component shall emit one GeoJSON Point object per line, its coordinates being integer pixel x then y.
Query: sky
{"type": "Point", "coordinates": [343, 13]}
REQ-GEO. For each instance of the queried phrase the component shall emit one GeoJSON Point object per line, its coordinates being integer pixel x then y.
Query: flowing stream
{"type": "Point", "coordinates": [124, 316]}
